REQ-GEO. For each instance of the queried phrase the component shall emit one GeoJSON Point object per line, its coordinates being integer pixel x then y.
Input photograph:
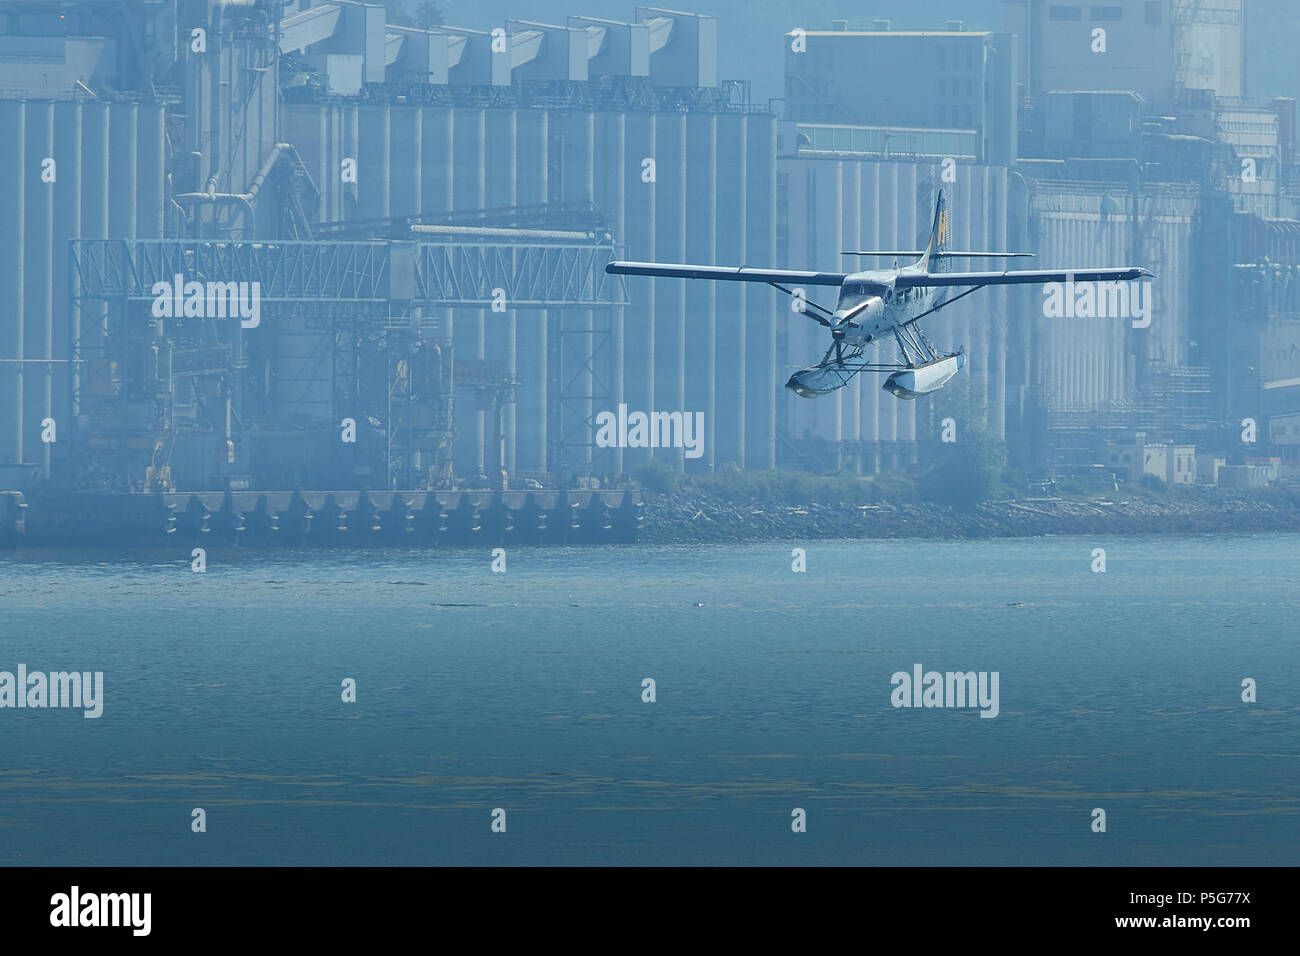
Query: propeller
{"type": "Point", "coordinates": [837, 328]}
{"type": "Point", "coordinates": [816, 318]}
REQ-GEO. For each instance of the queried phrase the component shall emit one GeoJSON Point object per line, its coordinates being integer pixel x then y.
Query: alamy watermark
{"type": "Point", "coordinates": [1098, 300]}
{"type": "Point", "coordinates": [75, 908]}
{"type": "Point", "coordinates": [951, 689]}
{"type": "Point", "coordinates": [651, 430]}
{"type": "Point", "coordinates": [70, 689]}
{"type": "Point", "coordinates": [179, 299]}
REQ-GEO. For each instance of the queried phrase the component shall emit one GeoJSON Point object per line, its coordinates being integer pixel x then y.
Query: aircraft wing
{"type": "Point", "coordinates": [673, 270]}
{"type": "Point", "coordinates": [1028, 276]}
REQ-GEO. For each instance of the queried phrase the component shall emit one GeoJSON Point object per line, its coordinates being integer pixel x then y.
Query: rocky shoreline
{"type": "Point", "coordinates": [691, 516]}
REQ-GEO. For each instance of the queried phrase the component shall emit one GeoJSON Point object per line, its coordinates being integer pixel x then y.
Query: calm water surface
{"type": "Point", "coordinates": [523, 690]}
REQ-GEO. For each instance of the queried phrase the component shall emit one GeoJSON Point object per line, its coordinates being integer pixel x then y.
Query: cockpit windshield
{"type": "Point", "coordinates": [863, 289]}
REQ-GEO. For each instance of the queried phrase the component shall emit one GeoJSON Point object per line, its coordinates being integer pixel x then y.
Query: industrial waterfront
{"type": "Point", "coordinates": [424, 211]}
{"type": "Point", "coordinates": [351, 505]}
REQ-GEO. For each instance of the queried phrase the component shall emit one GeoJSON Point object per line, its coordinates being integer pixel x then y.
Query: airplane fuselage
{"type": "Point", "coordinates": [870, 306]}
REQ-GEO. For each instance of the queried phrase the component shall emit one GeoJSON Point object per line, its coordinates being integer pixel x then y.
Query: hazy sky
{"type": "Point", "coordinates": [750, 31]}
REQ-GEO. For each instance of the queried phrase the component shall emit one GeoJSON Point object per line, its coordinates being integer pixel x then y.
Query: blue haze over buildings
{"type": "Point", "coordinates": [428, 209]}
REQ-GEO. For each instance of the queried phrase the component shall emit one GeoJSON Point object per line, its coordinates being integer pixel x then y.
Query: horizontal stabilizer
{"type": "Point", "coordinates": [951, 255]}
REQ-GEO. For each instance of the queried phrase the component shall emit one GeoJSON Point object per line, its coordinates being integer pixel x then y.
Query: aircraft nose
{"type": "Point", "coordinates": [864, 313]}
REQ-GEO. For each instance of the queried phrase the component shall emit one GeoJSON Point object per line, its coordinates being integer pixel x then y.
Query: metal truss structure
{"type": "Point", "coordinates": [580, 361]}
{"type": "Point", "coordinates": [361, 291]}
{"type": "Point", "coordinates": [530, 276]}
{"type": "Point", "coordinates": [286, 271]}
{"type": "Point", "coordinates": [447, 273]}
{"type": "Point", "coordinates": [578, 216]}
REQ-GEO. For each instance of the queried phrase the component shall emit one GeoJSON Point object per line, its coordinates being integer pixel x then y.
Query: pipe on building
{"type": "Point", "coordinates": [180, 216]}
{"type": "Point", "coordinates": [219, 8]}
{"type": "Point", "coordinates": [246, 199]}
{"type": "Point", "coordinates": [488, 232]}
{"type": "Point", "coordinates": [243, 199]}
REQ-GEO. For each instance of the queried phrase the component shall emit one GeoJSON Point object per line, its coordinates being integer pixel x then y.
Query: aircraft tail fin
{"type": "Point", "coordinates": [936, 258]}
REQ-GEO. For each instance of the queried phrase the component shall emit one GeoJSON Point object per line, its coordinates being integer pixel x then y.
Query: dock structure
{"type": "Point", "coordinates": [324, 518]}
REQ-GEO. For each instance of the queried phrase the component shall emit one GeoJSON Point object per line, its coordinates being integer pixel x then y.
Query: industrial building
{"type": "Point", "coordinates": [892, 81]}
{"type": "Point", "coordinates": [425, 213]}
{"type": "Point", "coordinates": [1134, 142]}
{"type": "Point", "coordinates": [1155, 48]}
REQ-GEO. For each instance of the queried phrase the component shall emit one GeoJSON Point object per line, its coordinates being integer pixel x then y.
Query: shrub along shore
{"type": "Point", "coordinates": [772, 506]}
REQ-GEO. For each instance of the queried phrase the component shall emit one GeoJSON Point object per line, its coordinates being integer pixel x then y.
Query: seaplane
{"type": "Point", "coordinates": [880, 304]}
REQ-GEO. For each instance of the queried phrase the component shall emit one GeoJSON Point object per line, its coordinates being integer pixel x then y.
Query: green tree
{"type": "Point", "coordinates": [967, 473]}
{"type": "Point", "coordinates": [656, 476]}
{"type": "Point", "coordinates": [395, 13]}
{"type": "Point", "coordinates": [428, 15]}
{"type": "Point", "coordinates": [963, 473]}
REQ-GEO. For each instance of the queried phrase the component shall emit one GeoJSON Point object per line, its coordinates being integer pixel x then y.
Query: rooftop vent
{"type": "Point", "coordinates": [840, 25]}
{"type": "Point", "coordinates": [880, 26]}
{"type": "Point", "coordinates": [956, 26]}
